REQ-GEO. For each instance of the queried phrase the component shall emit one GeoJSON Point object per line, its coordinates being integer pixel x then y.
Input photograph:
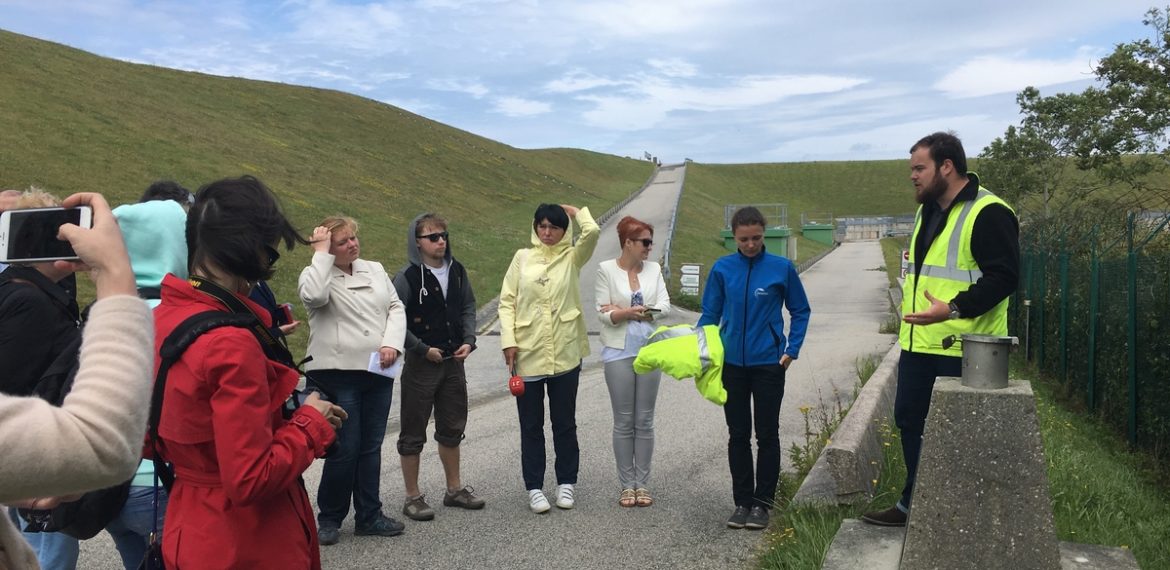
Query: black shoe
{"type": "Point", "coordinates": [738, 518]}
{"type": "Point", "coordinates": [757, 519]}
{"type": "Point", "coordinates": [328, 535]}
{"type": "Point", "coordinates": [892, 516]}
{"type": "Point", "coordinates": [383, 526]}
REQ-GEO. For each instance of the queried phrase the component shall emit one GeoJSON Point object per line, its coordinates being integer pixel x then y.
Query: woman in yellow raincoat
{"type": "Point", "coordinates": [542, 333]}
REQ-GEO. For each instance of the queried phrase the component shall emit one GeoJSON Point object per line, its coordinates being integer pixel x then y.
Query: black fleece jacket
{"type": "Point", "coordinates": [38, 319]}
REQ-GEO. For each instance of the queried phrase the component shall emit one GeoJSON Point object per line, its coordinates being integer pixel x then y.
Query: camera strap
{"type": "Point", "coordinates": [275, 348]}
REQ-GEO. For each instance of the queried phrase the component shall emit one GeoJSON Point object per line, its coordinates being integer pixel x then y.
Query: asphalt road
{"type": "Point", "coordinates": [684, 529]}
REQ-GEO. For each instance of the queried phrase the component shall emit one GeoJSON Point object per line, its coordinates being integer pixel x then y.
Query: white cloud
{"type": "Point", "coordinates": [746, 91]}
{"type": "Point", "coordinates": [371, 26]}
{"type": "Point", "coordinates": [673, 67]}
{"type": "Point", "coordinates": [633, 18]}
{"type": "Point", "coordinates": [520, 107]}
{"type": "Point", "coordinates": [623, 114]}
{"type": "Point", "coordinates": [578, 80]}
{"type": "Point", "coordinates": [473, 88]}
{"type": "Point", "coordinates": [887, 141]}
{"type": "Point", "coordinates": [989, 75]}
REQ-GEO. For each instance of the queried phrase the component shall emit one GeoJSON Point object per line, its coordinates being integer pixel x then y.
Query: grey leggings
{"type": "Point", "coordinates": [633, 397]}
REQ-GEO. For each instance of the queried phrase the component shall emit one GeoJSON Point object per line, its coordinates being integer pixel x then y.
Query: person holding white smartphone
{"type": "Point", "coordinates": [39, 321]}
{"type": "Point", "coordinates": [51, 452]}
{"type": "Point", "coordinates": [630, 294]}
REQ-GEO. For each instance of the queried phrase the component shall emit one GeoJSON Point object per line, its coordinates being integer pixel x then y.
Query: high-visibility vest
{"type": "Point", "coordinates": [947, 270]}
{"type": "Point", "coordinates": [685, 351]}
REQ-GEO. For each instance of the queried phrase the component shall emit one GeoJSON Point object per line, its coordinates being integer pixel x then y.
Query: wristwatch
{"type": "Point", "coordinates": [954, 310]}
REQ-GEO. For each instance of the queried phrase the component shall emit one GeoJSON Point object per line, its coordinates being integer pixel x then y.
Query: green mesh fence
{"type": "Point", "coordinates": [1099, 323]}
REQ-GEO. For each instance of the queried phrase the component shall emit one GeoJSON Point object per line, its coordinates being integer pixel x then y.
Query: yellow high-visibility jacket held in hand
{"type": "Point", "coordinates": [686, 351]}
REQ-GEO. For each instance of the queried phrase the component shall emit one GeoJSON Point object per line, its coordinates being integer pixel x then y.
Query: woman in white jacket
{"type": "Point", "coordinates": [354, 312]}
{"type": "Point", "coordinates": [630, 295]}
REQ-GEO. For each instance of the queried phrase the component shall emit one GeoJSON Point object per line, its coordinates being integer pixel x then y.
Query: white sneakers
{"type": "Point", "coordinates": [565, 496]}
{"type": "Point", "coordinates": [538, 502]}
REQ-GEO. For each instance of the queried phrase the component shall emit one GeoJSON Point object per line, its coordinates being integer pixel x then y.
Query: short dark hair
{"type": "Point", "coordinates": [168, 190]}
{"type": "Point", "coordinates": [943, 147]}
{"type": "Point", "coordinates": [554, 213]}
{"type": "Point", "coordinates": [748, 216]}
{"type": "Point", "coordinates": [231, 222]}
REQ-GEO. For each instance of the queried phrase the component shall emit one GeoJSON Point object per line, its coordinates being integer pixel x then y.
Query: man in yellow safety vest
{"type": "Point", "coordinates": [965, 256]}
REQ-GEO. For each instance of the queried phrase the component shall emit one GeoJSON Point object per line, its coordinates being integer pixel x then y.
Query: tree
{"type": "Point", "coordinates": [1117, 132]}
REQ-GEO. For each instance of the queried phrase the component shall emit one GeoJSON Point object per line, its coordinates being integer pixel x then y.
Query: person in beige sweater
{"type": "Point", "coordinates": [94, 439]}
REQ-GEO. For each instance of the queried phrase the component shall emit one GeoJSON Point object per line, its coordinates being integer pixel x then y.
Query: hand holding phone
{"type": "Point", "coordinates": [31, 235]}
{"type": "Point", "coordinates": [101, 249]}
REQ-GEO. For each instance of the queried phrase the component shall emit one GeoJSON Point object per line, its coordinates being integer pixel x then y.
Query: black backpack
{"type": "Point", "coordinates": [87, 516]}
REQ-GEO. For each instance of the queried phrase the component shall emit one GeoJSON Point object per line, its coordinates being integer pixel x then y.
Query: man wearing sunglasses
{"type": "Point", "coordinates": [440, 318]}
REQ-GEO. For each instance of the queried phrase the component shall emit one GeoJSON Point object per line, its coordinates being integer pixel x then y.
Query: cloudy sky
{"type": "Point", "coordinates": [713, 80]}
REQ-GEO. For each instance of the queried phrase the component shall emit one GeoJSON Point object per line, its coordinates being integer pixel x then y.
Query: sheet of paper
{"type": "Point", "coordinates": [391, 372]}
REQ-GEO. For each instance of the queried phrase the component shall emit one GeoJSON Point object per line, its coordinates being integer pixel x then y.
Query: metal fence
{"type": "Point", "coordinates": [1095, 314]}
{"type": "Point", "coordinates": [816, 219]}
{"type": "Point", "coordinates": [775, 214]}
{"type": "Point", "coordinates": [852, 228]}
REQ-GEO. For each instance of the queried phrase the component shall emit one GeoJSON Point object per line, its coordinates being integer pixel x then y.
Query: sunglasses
{"type": "Point", "coordinates": [273, 255]}
{"type": "Point", "coordinates": [646, 242]}
{"type": "Point", "coordinates": [435, 237]}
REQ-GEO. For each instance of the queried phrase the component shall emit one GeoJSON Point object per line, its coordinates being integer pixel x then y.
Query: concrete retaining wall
{"type": "Point", "coordinates": [847, 468]}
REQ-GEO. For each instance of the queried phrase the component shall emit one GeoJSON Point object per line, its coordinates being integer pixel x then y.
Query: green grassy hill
{"type": "Point", "coordinates": [73, 121]}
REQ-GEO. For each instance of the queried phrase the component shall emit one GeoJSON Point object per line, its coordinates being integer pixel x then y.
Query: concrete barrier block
{"type": "Point", "coordinates": [852, 461]}
{"type": "Point", "coordinates": [981, 498]}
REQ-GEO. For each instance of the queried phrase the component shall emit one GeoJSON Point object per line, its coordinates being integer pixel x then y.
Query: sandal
{"type": "Point", "coordinates": [642, 498]}
{"type": "Point", "coordinates": [628, 499]}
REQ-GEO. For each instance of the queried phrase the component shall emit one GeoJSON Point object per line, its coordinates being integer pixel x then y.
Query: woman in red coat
{"type": "Point", "coordinates": [238, 500]}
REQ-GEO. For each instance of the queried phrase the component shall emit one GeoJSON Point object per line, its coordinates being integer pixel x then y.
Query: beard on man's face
{"type": "Point", "coordinates": [932, 191]}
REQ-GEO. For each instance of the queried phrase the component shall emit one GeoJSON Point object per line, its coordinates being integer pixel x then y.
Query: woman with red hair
{"type": "Point", "coordinates": [630, 295]}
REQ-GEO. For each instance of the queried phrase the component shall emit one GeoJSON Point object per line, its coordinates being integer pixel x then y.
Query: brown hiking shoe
{"type": "Point", "coordinates": [892, 516]}
{"type": "Point", "coordinates": [463, 498]}
{"type": "Point", "coordinates": [418, 509]}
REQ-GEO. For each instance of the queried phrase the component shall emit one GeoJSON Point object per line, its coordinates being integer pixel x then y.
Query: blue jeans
{"type": "Point", "coordinates": [132, 527]}
{"type": "Point", "coordinates": [354, 467]}
{"type": "Point", "coordinates": [55, 551]}
{"type": "Point", "coordinates": [562, 410]}
{"type": "Point", "coordinates": [916, 375]}
{"type": "Point", "coordinates": [754, 394]}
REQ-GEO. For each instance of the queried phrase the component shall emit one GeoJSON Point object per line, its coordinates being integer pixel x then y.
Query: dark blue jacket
{"type": "Point", "coordinates": [744, 296]}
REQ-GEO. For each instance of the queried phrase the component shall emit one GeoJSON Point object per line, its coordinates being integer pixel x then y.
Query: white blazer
{"type": "Point", "coordinates": [350, 316]}
{"type": "Point", "coordinates": [613, 288]}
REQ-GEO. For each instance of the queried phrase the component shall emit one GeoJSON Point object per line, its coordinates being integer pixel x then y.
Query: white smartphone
{"type": "Point", "coordinates": [31, 234]}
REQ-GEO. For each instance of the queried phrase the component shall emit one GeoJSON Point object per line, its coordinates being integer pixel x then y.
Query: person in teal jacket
{"type": "Point", "coordinates": [744, 296]}
{"type": "Point", "coordinates": [156, 239]}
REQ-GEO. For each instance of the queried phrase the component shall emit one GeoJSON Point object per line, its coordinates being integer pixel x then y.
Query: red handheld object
{"type": "Point", "coordinates": [286, 310]}
{"type": "Point", "coordinates": [516, 385]}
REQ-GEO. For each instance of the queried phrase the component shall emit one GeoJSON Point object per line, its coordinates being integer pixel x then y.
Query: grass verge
{"type": "Point", "coordinates": [1102, 493]}
{"type": "Point", "coordinates": [800, 535]}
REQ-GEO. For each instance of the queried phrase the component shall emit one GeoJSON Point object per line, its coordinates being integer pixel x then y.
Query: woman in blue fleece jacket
{"type": "Point", "coordinates": [744, 294]}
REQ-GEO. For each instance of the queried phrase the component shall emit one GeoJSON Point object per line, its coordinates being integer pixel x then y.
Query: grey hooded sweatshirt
{"type": "Point", "coordinates": [446, 322]}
